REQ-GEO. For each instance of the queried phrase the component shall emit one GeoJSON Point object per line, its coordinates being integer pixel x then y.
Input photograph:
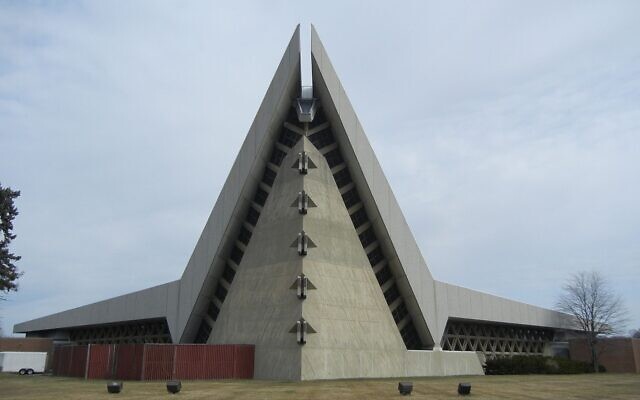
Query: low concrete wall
{"type": "Point", "coordinates": [389, 364]}
{"type": "Point", "coordinates": [442, 363]}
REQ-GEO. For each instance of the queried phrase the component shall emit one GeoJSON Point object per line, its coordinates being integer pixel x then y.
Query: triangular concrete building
{"type": "Point", "coordinates": [307, 255]}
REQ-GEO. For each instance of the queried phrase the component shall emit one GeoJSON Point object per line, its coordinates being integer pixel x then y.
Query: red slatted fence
{"type": "Point", "coordinates": [154, 361]}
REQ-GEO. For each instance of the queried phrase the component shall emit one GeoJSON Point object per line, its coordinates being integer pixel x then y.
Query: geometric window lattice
{"type": "Point", "coordinates": [494, 338]}
{"type": "Point", "coordinates": [151, 331]}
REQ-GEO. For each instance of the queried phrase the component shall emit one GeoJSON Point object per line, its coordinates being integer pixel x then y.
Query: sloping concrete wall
{"type": "Point", "coordinates": [409, 267]}
{"type": "Point", "coordinates": [356, 334]}
{"type": "Point", "coordinates": [260, 308]}
{"type": "Point", "coordinates": [199, 276]}
{"type": "Point", "coordinates": [156, 302]}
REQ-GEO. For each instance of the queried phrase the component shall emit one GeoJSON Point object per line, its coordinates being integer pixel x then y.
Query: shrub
{"type": "Point", "coordinates": [522, 365]}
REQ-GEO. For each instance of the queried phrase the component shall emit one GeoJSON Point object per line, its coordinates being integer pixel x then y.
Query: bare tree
{"type": "Point", "coordinates": [635, 334]}
{"type": "Point", "coordinates": [597, 309]}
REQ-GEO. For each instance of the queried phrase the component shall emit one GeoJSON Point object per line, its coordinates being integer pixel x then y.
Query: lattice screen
{"type": "Point", "coordinates": [495, 339]}
{"type": "Point", "coordinates": [153, 331]}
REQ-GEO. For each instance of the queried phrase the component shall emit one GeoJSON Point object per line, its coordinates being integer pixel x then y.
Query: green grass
{"type": "Point", "coordinates": [590, 386]}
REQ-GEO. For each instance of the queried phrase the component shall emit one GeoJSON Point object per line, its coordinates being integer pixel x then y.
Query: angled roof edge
{"type": "Point", "coordinates": [463, 303]}
{"type": "Point", "coordinates": [144, 304]}
{"type": "Point", "coordinates": [242, 178]}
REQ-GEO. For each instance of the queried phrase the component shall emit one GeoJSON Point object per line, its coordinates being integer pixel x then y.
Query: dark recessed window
{"type": "Point", "coordinates": [203, 332]}
{"type": "Point", "coordinates": [351, 198]}
{"type": "Point", "coordinates": [221, 293]}
{"type": "Point", "coordinates": [229, 273]}
{"type": "Point", "coordinates": [252, 216]}
{"type": "Point", "coordinates": [260, 197]}
{"type": "Point", "coordinates": [277, 156]}
{"type": "Point", "coordinates": [288, 138]}
{"type": "Point", "coordinates": [399, 313]}
{"type": "Point", "coordinates": [391, 294]}
{"type": "Point", "coordinates": [322, 138]}
{"type": "Point", "coordinates": [375, 256]}
{"type": "Point", "coordinates": [367, 237]}
{"type": "Point", "coordinates": [342, 177]}
{"type": "Point", "coordinates": [410, 337]}
{"type": "Point", "coordinates": [334, 158]}
{"type": "Point", "coordinates": [359, 217]}
{"type": "Point", "coordinates": [383, 275]}
{"type": "Point", "coordinates": [319, 119]}
{"type": "Point", "coordinates": [236, 255]}
{"type": "Point", "coordinates": [269, 176]}
{"type": "Point", "coordinates": [244, 236]}
{"type": "Point", "coordinates": [213, 310]}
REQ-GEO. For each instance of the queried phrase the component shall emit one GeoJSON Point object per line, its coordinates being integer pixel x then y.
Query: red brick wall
{"type": "Point", "coordinates": [616, 355]}
{"type": "Point", "coordinates": [29, 344]}
{"type": "Point", "coordinates": [26, 344]}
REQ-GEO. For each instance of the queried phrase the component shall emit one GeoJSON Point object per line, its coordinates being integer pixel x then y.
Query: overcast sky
{"type": "Point", "coordinates": [509, 131]}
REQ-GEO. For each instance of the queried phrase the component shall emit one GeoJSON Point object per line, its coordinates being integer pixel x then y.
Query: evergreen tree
{"type": "Point", "coordinates": [9, 273]}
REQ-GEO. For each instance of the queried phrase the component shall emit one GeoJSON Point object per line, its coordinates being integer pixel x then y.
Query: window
{"type": "Point", "coordinates": [252, 216]}
{"type": "Point", "coordinates": [367, 237]}
{"type": "Point", "coordinates": [269, 176]}
{"type": "Point", "coordinates": [383, 275]}
{"type": "Point", "coordinates": [322, 138]}
{"type": "Point", "coordinates": [260, 197]}
{"type": "Point", "coordinates": [334, 158]}
{"type": "Point", "coordinates": [375, 256]}
{"type": "Point", "coordinates": [277, 156]}
{"type": "Point", "coordinates": [213, 310]}
{"type": "Point", "coordinates": [236, 255]}
{"type": "Point", "coordinates": [288, 138]}
{"type": "Point", "coordinates": [342, 177]}
{"type": "Point", "coordinates": [221, 293]}
{"type": "Point", "coordinates": [391, 294]}
{"type": "Point", "coordinates": [399, 313]}
{"type": "Point", "coordinates": [244, 236]}
{"type": "Point", "coordinates": [203, 332]}
{"type": "Point", "coordinates": [359, 217]}
{"type": "Point", "coordinates": [410, 337]}
{"type": "Point", "coordinates": [351, 198]}
{"type": "Point", "coordinates": [229, 273]}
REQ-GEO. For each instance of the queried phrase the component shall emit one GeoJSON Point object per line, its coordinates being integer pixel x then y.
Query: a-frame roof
{"type": "Point", "coordinates": [431, 303]}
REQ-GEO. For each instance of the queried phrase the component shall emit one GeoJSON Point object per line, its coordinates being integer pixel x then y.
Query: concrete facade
{"type": "Point", "coordinates": [373, 309]}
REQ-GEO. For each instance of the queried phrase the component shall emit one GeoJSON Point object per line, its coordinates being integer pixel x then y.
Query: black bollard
{"type": "Point", "coordinates": [405, 388]}
{"type": "Point", "coordinates": [174, 386]}
{"type": "Point", "coordinates": [114, 387]}
{"type": "Point", "coordinates": [464, 389]}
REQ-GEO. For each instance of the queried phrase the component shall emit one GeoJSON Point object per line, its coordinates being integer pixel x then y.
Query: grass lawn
{"type": "Point", "coordinates": [591, 386]}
